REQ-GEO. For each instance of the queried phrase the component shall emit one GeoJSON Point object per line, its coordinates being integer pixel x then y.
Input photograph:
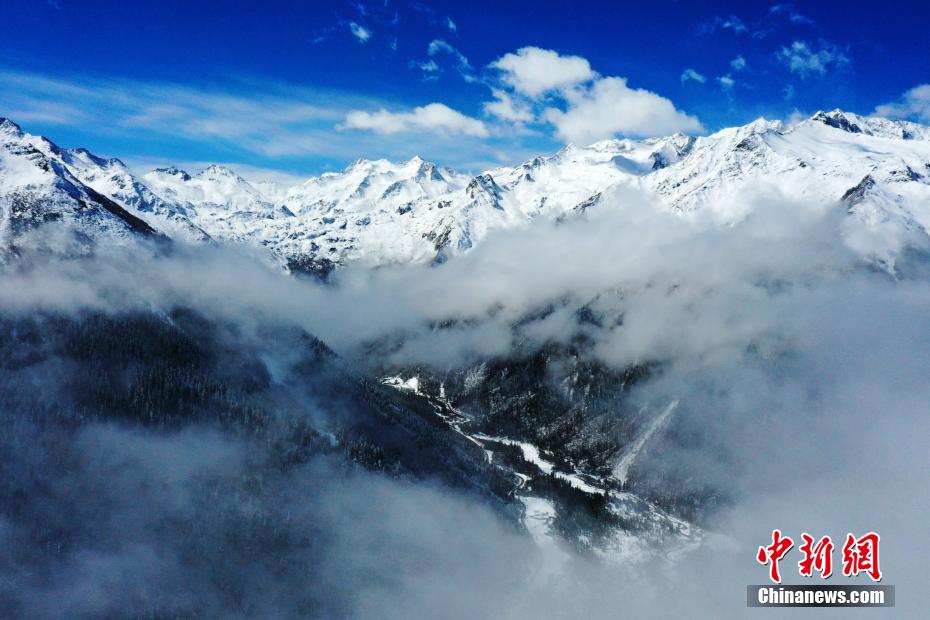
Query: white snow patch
{"type": "Point", "coordinates": [622, 469]}
{"type": "Point", "coordinates": [410, 385]}
{"type": "Point", "coordinates": [532, 455]}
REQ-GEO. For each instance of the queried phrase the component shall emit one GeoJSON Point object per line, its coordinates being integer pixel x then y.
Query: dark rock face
{"type": "Point", "coordinates": [175, 172]}
{"type": "Point", "coordinates": [749, 143]}
{"type": "Point", "coordinates": [134, 223]}
{"type": "Point", "coordinates": [483, 184]}
{"type": "Point", "coordinates": [661, 160]}
{"type": "Point", "coordinates": [855, 195]}
{"type": "Point", "coordinates": [587, 204]}
{"type": "Point", "coordinates": [318, 268]}
{"type": "Point", "coordinates": [838, 121]}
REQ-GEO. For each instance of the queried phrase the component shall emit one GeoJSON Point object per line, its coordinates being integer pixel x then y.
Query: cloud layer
{"type": "Point", "coordinates": [801, 375]}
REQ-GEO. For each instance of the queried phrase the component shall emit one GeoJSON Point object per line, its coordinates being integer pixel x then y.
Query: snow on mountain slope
{"type": "Point", "coordinates": [44, 206]}
{"type": "Point", "coordinates": [379, 212]}
{"type": "Point", "coordinates": [873, 126]}
{"type": "Point", "coordinates": [113, 178]}
{"type": "Point", "coordinates": [573, 175]}
{"type": "Point", "coordinates": [214, 185]}
{"type": "Point", "coordinates": [369, 210]}
{"type": "Point", "coordinates": [375, 210]}
{"type": "Point", "coordinates": [220, 202]}
{"type": "Point", "coordinates": [877, 170]}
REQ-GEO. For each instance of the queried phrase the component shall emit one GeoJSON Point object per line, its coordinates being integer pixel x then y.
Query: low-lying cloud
{"type": "Point", "coordinates": [800, 369]}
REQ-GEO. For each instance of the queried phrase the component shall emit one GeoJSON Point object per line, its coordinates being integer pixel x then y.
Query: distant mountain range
{"type": "Point", "coordinates": [379, 212]}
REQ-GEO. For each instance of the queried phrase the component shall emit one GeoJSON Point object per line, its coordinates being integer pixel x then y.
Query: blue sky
{"type": "Point", "coordinates": [297, 88]}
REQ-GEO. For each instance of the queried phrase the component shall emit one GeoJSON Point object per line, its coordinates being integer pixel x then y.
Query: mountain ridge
{"type": "Point", "coordinates": [378, 212]}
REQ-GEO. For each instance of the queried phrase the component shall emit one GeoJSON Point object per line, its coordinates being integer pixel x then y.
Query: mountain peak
{"type": "Point", "coordinates": [425, 169]}
{"type": "Point", "coordinates": [175, 172]}
{"type": "Point", "coordinates": [838, 119]}
{"type": "Point", "coordinates": [215, 170]}
{"type": "Point", "coordinates": [872, 125]}
{"type": "Point", "coordinates": [10, 128]}
{"type": "Point", "coordinates": [483, 184]}
{"type": "Point", "coordinates": [366, 165]}
{"type": "Point", "coordinates": [763, 125]}
{"type": "Point", "coordinates": [103, 162]}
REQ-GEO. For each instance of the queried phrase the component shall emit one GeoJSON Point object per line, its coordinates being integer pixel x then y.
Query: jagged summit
{"type": "Point", "coordinates": [82, 152]}
{"type": "Point", "coordinates": [175, 172]}
{"type": "Point", "coordinates": [9, 127]}
{"type": "Point", "coordinates": [46, 206]}
{"type": "Point", "coordinates": [871, 125]}
{"type": "Point", "coordinates": [838, 119]}
{"type": "Point", "coordinates": [216, 171]}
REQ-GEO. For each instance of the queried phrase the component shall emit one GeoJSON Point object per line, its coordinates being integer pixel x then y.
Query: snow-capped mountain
{"type": "Point", "coordinates": [43, 204]}
{"type": "Point", "coordinates": [379, 212]}
{"type": "Point", "coordinates": [113, 178]}
{"type": "Point", "coordinates": [877, 170]}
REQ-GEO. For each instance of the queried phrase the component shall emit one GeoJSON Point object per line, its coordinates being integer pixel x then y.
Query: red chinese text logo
{"type": "Point", "coordinates": [817, 557]}
{"type": "Point", "coordinates": [860, 555]}
{"type": "Point", "coordinates": [773, 553]}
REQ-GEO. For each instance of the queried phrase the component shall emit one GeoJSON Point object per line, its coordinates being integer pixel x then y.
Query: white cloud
{"type": "Point", "coordinates": [914, 104]}
{"type": "Point", "coordinates": [789, 11]}
{"type": "Point", "coordinates": [802, 59]}
{"type": "Point", "coordinates": [439, 46]}
{"type": "Point", "coordinates": [451, 25]}
{"type": "Point", "coordinates": [692, 75]}
{"type": "Point", "coordinates": [610, 107]}
{"type": "Point", "coordinates": [533, 71]}
{"type": "Point", "coordinates": [731, 23]}
{"type": "Point", "coordinates": [508, 108]}
{"type": "Point", "coordinates": [360, 32]}
{"type": "Point", "coordinates": [429, 69]}
{"type": "Point", "coordinates": [432, 117]}
{"type": "Point", "coordinates": [277, 125]}
{"type": "Point", "coordinates": [726, 82]}
{"type": "Point", "coordinates": [264, 118]}
{"type": "Point", "coordinates": [321, 34]}
{"type": "Point", "coordinates": [582, 106]}
{"type": "Point", "coordinates": [738, 63]}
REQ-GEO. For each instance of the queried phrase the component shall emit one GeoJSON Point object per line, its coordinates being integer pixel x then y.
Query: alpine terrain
{"type": "Point", "coordinates": [580, 359]}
